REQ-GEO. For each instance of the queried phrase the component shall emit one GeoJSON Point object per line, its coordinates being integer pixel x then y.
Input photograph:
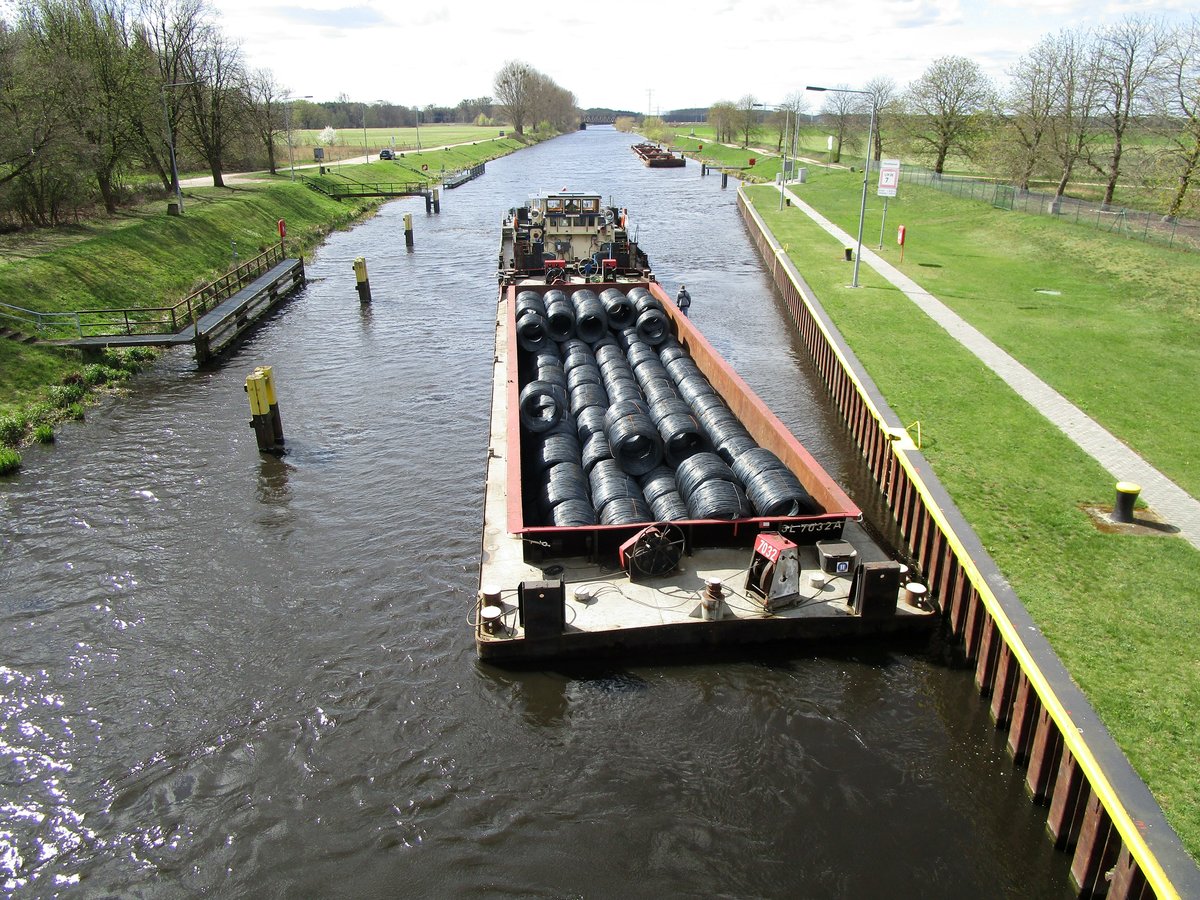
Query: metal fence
{"type": "Point", "coordinates": [1132, 223]}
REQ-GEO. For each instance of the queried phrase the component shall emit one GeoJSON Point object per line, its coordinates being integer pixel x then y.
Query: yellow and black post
{"type": "Point", "coordinates": [268, 381]}
{"type": "Point", "coordinates": [437, 201]}
{"type": "Point", "coordinates": [260, 412]}
{"type": "Point", "coordinates": [363, 285]}
{"type": "Point", "coordinates": [408, 231]}
{"type": "Point", "coordinates": [1127, 494]}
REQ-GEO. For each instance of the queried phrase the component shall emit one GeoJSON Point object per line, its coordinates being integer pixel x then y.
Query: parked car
{"type": "Point", "coordinates": [387, 153]}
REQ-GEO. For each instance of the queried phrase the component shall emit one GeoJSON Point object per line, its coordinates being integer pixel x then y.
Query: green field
{"type": "Point", "coordinates": [1121, 611]}
{"type": "Point", "coordinates": [350, 142]}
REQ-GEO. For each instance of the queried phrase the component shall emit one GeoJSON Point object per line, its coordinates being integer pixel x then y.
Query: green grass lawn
{"type": "Point", "coordinates": [349, 141]}
{"type": "Point", "coordinates": [1118, 338]}
{"type": "Point", "coordinates": [1122, 612]}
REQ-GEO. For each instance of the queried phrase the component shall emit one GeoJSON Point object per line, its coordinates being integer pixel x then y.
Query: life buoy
{"type": "Point", "coordinates": [535, 235]}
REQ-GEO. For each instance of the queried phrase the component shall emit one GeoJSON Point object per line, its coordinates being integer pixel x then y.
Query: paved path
{"type": "Point", "coordinates": [1168, 499]}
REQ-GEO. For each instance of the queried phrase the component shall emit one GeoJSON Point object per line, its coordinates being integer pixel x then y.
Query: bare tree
{"type": "Point", "coordinates": [747, 118]}
{"type": "Point", "coordinates": [217, 98]}
{"type": "Point", "coordinates": [884, 96]}
{"type": "Point", "coordinates": [515, 84]}
{"type": "Point", "coordinates": [1071, 131]}
{"type": "Point", "coordinates": [169, 29]}
{"type": "Point", "coordinates": [1131, 59]}
{"type": "Point", "coordinates": [32, 114]}
{"type": "Point", "coordinates": [838, 113]}
{"type": "Point", "coordinates": [947, 107]}
{"type": "Point", "coordinates": [1182, 105]}
{"type": "Point", "coordinates": [269, 111]}
{"type": "Point", "coordinates": [1030, 105]}
{"type": "Point", "coordinates": [785, 121]}
{"type": "Point", "coordinates": [722, 115]}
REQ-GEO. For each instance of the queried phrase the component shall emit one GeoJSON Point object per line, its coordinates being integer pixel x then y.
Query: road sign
{"type": "Point", "coordinates": [889, 177]}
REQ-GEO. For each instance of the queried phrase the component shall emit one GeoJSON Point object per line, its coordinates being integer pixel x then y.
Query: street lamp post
{"type": "Point", "coordinates": [162, 92]}
{"type": "Point", "coordinates": [366, 152]}
{"type": "Point", "coordinates": [418, 129]}
{"type": "Point", "coordinates": [862, 209]}
{"type": "Point", "coordinates": [291, 159]}
{"type": "Point", "coordinates": [784, 144]}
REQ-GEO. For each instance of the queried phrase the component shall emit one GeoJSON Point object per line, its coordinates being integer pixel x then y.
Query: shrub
{"type": "Point", "coordinates": [73, 378]}
{"type": "Point", "coordinates": [12, 429]}
{"type": "Point", "coordinates": [75, 411]}
{"type": "Point", "coordinates": [95, 374]}
{"type": "Point", "coordinates": [44, 433]}
{"type": "Point", "coordinates": [64, 395]}
{"type": "Point", "coordinates": [41, 412]}
{"type": "Point", "coordinates": [10, 461]}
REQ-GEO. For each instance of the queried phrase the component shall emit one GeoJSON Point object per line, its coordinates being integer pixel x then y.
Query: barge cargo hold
{"type": "Point", "coordinates": [639, 495]}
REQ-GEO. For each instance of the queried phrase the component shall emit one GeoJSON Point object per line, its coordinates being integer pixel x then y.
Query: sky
{"type": "Point", "coordinates": [647, 56]}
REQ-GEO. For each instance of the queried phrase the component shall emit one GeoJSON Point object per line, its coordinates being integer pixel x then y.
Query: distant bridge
{"type": "Point", "coordinates": [598, 119]}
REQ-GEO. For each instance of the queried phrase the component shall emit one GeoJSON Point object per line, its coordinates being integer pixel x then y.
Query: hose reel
{"type": "Point", "coordinates": [653, 552]}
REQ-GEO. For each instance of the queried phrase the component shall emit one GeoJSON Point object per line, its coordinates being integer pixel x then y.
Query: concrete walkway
{"type": "Point", "coordinates": [1169, 500]}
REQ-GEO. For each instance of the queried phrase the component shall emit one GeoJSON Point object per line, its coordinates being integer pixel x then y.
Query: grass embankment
{"type": "Point", "coordinates": [1121, 611]}
{"type": "Point", "coordinates": [348, 142]}
{"type": "Point", "coordinates": [142, 257]}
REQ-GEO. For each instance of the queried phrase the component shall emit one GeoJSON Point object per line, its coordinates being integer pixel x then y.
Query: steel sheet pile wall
{"type": "Point", "coordinates": [1099, 810]}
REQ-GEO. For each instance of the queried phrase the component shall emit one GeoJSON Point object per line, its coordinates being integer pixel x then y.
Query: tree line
{"type": "Point", "coordinates": [1118, 104]}
{"type": "Point", "coordinates": [97, 94]}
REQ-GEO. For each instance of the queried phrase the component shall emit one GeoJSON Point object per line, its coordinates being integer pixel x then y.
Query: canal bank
{"type": "Point", "coordinates": [232, 673]}
{"type": "Point", "coordinates": [1099, 808]}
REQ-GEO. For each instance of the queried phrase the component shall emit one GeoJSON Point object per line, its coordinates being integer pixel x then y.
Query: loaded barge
{"type": "Point", "coordinates": [656, 157]}
{"type": "Point", "coordinates": [639, 495]}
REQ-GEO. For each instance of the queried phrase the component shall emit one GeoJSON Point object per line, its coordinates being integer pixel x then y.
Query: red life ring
{"type": "Point", "coordinates": [424, 168]}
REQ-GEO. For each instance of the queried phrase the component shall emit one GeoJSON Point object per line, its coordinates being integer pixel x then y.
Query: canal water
{"type": "Point", "coordinates": [241, 676]}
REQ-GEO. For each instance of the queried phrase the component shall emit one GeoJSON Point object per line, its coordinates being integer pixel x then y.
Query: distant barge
{"type": "Point", "coordinates": [657, 157]}
{"type": "Point", "coordinates": [639, 495]}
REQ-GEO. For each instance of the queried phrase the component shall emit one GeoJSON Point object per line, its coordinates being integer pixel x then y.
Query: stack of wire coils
{"type": "Point", "coordinates": [627, 427]}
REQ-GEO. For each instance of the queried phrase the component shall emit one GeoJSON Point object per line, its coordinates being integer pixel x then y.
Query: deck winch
{"type": "Point", "coordinates": [653, 552]}
{"type": "Point", "coordinates": [774, 576]}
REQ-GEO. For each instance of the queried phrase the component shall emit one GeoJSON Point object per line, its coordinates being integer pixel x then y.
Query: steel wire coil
{"type": "Point", "coordinates": [641, 353]}
{"type": "Point", "coordinates": [548, 357]}
{"type": "Point", "coordinates": [681, 437]}
{"type": "Point", "coordinates": [573, 514]}
{"type": "Point", "coordinates": [758, 459]}
{"type": "Point", "coordinates": [565, 481]}
{"type": "Point", "coordinates": [619, 408]}
{"type": "Point", "coordinates": [585, 374]}
{"type": "Point", "coordinates": [645, 300]}
{"type": "Point", "coordinates": [587, 395]}
{"type": "Point", "coordinates": [717, 499]}
{"type": "Point", "coordinates": [670, 350]}
{"type": "Point", "coordinates": [595, 450]}
{"type": "Point", "coordinates": [591, 321]}
{"type": "Point", "coordinates": [693, 387]}
{"type": "Point", "coordinates": [554, 374]}
{"type": "Point", "coordinates": [637, 292]}
{"type": "Point", "coordinates": [660, 390]}
{"type": "Point", "coordinates": [682, 367]}
{"type": "Point", "coordinates": [611, 355]}
{"type": "Point", "coordinates": [565, 425]}
{"type": "Point", "coordinates": [623, 389]}
{"type": "Point", "coordinates": [607, 340]}
{"type": "Point", "coordinates": [634, 441]}
{"type": "Point", "coordinates": [703, 402]}
{"type": "Point", "coordinates": [575, 352]}
{"type": "Point", "coordinates": [665, 406]}
{"type": "Point", "coordinates": [560, 316]}
{"type": "Point", "coordinates": [542, 406]}
{"type": "Point", "coordinates": [658, 481]}
{"type": "Point", "coordinates": [733, 444]}
{"type": "Point", "coordinates": [620, 311]}
{"type": "Point", "coordinates": [609, 482]}
{"type": "Point", "coordinates": [626, 511]}
{"type": "Point", "coordinates": [628, 337]}
{"type": "Point", "coordinates": [532, 333]}
{"type": "Point", "coordinates": [558, 447]}
{"type": "Point", "coordinates": [669, 507]}
{"type": "Point", "coordinates": [653, 326]}
{"type": "Point", "coordinates": [589, 421]}
{"type": "Point", "coordinates": [699, 469]}
{"type": "Point", "coordinates": [528, 301]}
